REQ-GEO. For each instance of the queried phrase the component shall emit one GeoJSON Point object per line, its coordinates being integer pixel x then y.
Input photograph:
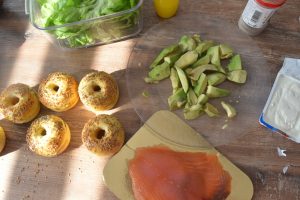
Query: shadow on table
{"type": "Point", "coordinates": [31, 174]}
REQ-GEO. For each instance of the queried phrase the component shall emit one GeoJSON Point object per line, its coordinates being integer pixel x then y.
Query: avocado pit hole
{"type": "Point", "coordinates": [100, 134]}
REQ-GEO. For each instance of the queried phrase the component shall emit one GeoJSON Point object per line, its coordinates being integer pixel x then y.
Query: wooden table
{"type": "Point", "coordinates": [26, 56]}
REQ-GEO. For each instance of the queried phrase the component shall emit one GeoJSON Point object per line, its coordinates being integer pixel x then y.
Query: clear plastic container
{"type": "Point", "coordinates": [90, 32]}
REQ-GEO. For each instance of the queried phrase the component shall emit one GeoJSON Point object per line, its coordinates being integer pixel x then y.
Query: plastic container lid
{"type": "Point", "coordinates": [271, 4]}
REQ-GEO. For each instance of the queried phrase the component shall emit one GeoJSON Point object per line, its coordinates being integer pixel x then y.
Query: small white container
{"type": "Point", "coordinates": [257, 14]}
{"type": "Point", "coordinates": [282, 110]}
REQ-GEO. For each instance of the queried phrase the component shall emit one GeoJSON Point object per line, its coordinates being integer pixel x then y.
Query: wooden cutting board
{"type": "Point", "coordinates": [177, 135]}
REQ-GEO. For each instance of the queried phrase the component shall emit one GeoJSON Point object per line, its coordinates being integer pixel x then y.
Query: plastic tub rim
{"type": "Point", "coordinates": [85, 20]}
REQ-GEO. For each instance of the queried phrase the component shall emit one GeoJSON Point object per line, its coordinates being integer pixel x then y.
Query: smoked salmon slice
{"type": "Point", "coordinates": [159, 173]}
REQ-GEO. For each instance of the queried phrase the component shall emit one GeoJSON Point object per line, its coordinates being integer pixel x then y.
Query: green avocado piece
{"type": "Point", "coordinates": [150, 80]}
{"type": "Point", "coordinates": [201, 84]}
{"type": "Point", "coordinates": [204, 46]}
{"type": "Point", "coordinates": [196, 72]}
{"type": "Point", "coordinates": [237, 76]}
{"type": "Point", "coordinates": [177, 100]}
{"type": "Point", "coordinates": [191, 97]}
{"type": "Point", "coordinates": [160, 72]}
{"type": "Point", "coordinates": [211, 110]}
{"type": "Point", "coordinates": [226, 51]}
{"type": "Point", "coordinates": [197, 38]}
{"type": "Point", "coordinates": [183, 79]}
{"type": "Point", "coordinates": [173, 57]}
{"type": "Point", "coordinates": [192, 112]}
{"type": "Point", "coordinates": [230, 110]}
{"type": "Point", "coordinates": [235, 63]}
{"type": "Point", "coordinates": [214, 92]}
{"type": "Point", "coordinates": [202, 99]}
{"type": "Point", "coordinates": [174, 79]}
{"type": "Point", "coordinates": [193, 82]}
{"type": "Point", "coordinates": [216, 78]}
{"type": "Point", "coordinates": [186, 59]}
{"type": "Point", "coordinates": [166, 51]}
{"type": "Point", "coordinates": [202, 61]}
{"type": "Point", "coordinates": [214, 52]}
{"type": "Point", "coordinates": [187, 43]}
{"type": "Point", "coordinates": [188, 70]}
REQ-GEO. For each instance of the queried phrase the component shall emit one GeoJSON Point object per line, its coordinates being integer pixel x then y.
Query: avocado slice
{"type": "Point", "coordinates": [235, 63]}
{"type": "Point", "coordinates": [211, 110]}
{"type": "Point", "coordinates": [201, 85]}
{"type": "Point", "coordinates": [204, 46]}
{"type": "Point", "coordinates": [174, 79]}
{"type": "Point", "coordinates": [196, 72]}
{"type": "Point", "coordinates": [166, 51]}
{"type": "Point", "coordinates": [230, 110]}
{"type": "Point", "coordinates": [214, 52]}
{"type": "Point", "coordinates": [191, 97]}
{"type": "Point", "coordinates": [214, 92]}
{"type": "Point", "coordinates": [237, 76]}
{"type": "Point", "coordinates": [173, 57]}
{"type": "Point", "coordinates": [177, 100]}
{"type": "Point", "coordinates": [183, 79]}
{"type": "Point", "coordinates": [186, 59]}
{"type": "Point", "coordinates": [150, 80]}
{"type": "Point", "coordinates": [192, 112]}
{"type": "Point", "coordinates": [202, 61]}
{"type": "Point", "coordinates": [197, 38]}
{"type": "Point", "coordinates": [216, 78]}
{"type": "Point", "coordinates": [226, 51]}
{"type": "Point", "coordinates": [202, 99]}
{"type": "Point", "coordinates": [187, 43]}
{"type": "Point", "coordinates": [160, 72]}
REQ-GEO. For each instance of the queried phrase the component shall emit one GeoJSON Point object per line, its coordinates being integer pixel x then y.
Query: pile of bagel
{"type": "Point", "coordinates": [50, 135]}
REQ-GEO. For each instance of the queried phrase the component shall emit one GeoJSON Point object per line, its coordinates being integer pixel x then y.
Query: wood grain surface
{"type": "Point", "coordinates": [27, 57]}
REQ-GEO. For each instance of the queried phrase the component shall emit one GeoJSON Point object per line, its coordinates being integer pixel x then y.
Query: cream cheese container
{"type": "Point", "coordinates": [282, 110]}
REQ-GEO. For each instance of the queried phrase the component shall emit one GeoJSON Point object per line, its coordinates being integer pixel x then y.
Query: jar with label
{"type": "Point", "coordinates": [257, 14]}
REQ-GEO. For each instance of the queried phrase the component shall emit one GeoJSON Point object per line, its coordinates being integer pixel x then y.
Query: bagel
{"type": "Point", "coordinates": [48, 136]}
{"type": "Point", "coordinates": [19, 103]}
{"type": "Point", "coordinates": [98, 91]}
{"type": "Point", "coordinates": [58, 92]}
{"type": "Point", "coordinates": [2, 139]}
{"type": "Point", "coordinates": [103, 135]}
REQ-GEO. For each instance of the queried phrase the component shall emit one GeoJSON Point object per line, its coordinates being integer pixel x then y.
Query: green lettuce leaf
{"type": "Point", "coordinates": [60, 12]}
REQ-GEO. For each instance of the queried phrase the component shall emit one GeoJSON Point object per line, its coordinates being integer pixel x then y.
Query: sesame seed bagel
{"type": "Point", "coordinates": [19, 103]}
{"type": "Point", "coordinates": [2, 139]}
{"type": "Point", "coordinates": [48, 136]}
{"type": "Point", "coordinates": [98, 91]}
{"type": "Point", "coordinates": [103, 135]}
{"type": "Point", "coordinates": [58, 92]}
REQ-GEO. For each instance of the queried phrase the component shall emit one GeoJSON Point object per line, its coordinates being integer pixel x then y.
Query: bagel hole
{"type": "Point", "coordinates": [100, 134]}
{"type": "Point", "coordinates": [96, 88]}
{"type": "Point", "coordinates": [43, 132]}
{"type": "Point", "coordinates": [12, 100]}
{"type": "Point", "coordinates": [55, 88]}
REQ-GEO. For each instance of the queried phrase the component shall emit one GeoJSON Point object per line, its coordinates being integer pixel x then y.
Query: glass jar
{"type": "Point", "coordinates": [257, 14]}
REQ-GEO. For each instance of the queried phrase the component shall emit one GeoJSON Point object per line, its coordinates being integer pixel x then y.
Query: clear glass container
{"type": "Point", "coordinates": [90, 32]}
